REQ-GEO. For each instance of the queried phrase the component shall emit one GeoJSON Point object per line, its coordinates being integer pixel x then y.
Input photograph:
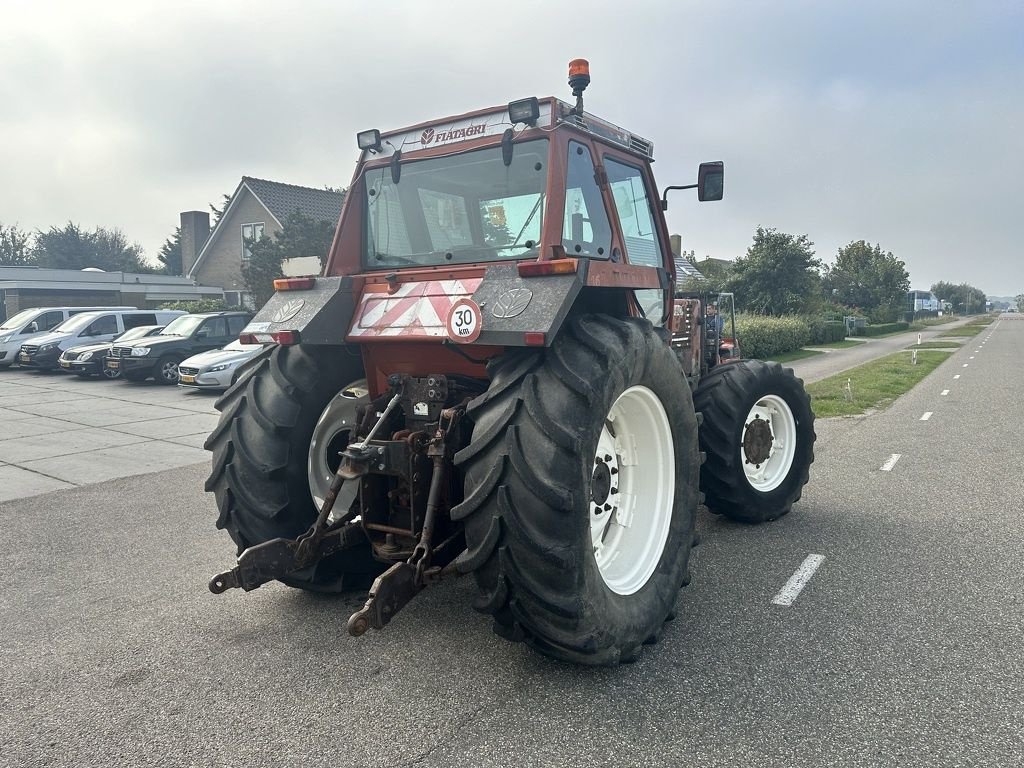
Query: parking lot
{"type": "Point", "coordinates": [61, 431]}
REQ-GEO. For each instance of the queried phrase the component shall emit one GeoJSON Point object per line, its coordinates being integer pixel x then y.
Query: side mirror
{"type": "Point", "coordinates": [202, 334]}
{"type": "Point", "coordinates": [710, 181]}
{"type": "Point", "coordinates": [33, 327]}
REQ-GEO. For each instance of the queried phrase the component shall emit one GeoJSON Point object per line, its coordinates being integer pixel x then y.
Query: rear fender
{"type": "Point", "coordinates": [320, 314]}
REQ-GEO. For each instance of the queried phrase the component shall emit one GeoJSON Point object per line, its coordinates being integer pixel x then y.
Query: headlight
{"type": "Point", "coordinates": [222, 367]}
{"type": "Point", "coordinates": [4, 339]}
{"type": "Point", "coordinates": [47, 347]}
{"type": "Point", "coordinates": [140, 351]}
{"type": "Point", "coordinates": [85, 356]}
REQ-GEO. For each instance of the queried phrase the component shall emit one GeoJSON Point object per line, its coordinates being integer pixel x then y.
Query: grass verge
{"type": "Point", "coordinates": [936, 345]}
{"type": "Point", "coordinates": [872, 385]}
{"type": "Point", "coordinates": [799, 354]}
{"type": "Point", "coordinates": [964, 330]}
{"type": "Point", "coordinates": [845, 343]}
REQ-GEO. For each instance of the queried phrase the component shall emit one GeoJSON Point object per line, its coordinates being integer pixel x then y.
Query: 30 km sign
{"type": "Point", "coordinates": [464, 321]}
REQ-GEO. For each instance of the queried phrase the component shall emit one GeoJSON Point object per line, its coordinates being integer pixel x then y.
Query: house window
{"type": "Point", "coordinates": [250, 234]}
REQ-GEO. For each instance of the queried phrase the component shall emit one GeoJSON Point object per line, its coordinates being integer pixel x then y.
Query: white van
{"type": "Point", "coordinates": [88, 327]}
{"type": "Point", "coordinates": [19, 328]}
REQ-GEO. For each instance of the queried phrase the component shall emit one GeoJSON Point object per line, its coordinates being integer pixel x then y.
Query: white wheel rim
{"type": "Point", "coordinates": [767, 466]}
{"type": "Point", "coordinates": [337, 419]}
{"type": "Point", "coordinates": [630, 525]}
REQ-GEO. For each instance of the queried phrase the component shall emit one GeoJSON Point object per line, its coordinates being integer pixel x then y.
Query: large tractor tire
{"type": "Point", "coordinates": [581, 487]}
{"type": "Point", "coordinates": [758, 434]}
{"type": "Point", "coordinates": [282, 424]}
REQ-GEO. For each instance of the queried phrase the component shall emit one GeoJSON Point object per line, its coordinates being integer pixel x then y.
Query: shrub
{"type": "Point", "coordinates": [882, 328]}
{"type": "Point", "coordinates": [764, 337]}
{"type": "Point", "coordinates": [824, 331]}
{"type": "Point", "coordinates": [198, 306]}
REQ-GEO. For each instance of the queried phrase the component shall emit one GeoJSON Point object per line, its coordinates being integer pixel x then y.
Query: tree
{"type": "Point", "coordinates": [964, 297]}
{"type": "Point", "coordinates": [1020, 302]}
{"type": "Point", "coordinates": [15, 247]}
{"type": "Point", "coordinates": [170, 253]}
{"type": "Point", "coordinates": [301, 236]}
{"type": "Point", "coordinates": [71, 247]}
{"type": "Point", "coordinates": [778, 275]}
{"type": "Point", "coordinates": [864, 276]}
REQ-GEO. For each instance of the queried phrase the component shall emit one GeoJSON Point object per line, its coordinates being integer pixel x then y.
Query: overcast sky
{"type": "Point", "coordinates": [897, 123]}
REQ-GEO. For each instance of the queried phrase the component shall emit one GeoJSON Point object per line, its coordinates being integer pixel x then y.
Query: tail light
{"type": "Point", "coordinates": [552, 267]}
{"type": "Point", "coordinates": [294, 283]}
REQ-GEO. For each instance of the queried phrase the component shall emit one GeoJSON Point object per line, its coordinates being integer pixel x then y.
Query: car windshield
{"type": "Point", "coordinates": [461, 208]}
{"type": "Point", "coordinates": [136, 333]}
{"type": "Point", "coordinates": [183, 326]}
{"type": "Point", "coordinates": [16, 321]}
{"type": "Point", "coordinates": [76, 323]}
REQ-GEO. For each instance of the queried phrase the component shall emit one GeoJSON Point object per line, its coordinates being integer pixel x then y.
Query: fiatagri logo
{"type": "Point", "coordinates": [455, 134]}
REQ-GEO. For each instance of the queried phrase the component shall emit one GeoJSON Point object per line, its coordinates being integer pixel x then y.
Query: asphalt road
{"type": "Point", "coordinates": [833, 361]}
{"type": "Point", "coordinates": [903, 649]}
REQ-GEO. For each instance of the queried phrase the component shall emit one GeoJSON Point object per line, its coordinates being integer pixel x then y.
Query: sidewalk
{"type": "Point", "coordinates": [837, 360]}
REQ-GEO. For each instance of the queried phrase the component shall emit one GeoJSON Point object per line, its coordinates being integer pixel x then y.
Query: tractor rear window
{"type": "Point", "coordinates": [457, 209]}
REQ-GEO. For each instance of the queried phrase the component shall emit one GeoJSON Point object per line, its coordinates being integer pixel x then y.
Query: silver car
{"type": "Point", "coordinates": [216, 368]}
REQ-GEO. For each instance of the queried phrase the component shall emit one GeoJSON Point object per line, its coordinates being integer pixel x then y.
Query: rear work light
{"type": "Point", "coordinates": [552, 267]}
{"type": "Point", "coordinates": [369, 140]}
{"type": "Point", "coordinates": [294, 283]}
{"type": "Point", "coordinates": [524, 111]}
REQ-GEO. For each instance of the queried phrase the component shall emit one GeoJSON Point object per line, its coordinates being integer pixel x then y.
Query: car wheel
{"type": "Point", "coordinates": [167, 370]}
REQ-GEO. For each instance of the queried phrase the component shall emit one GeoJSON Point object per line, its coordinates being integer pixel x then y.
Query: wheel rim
{"type": "Point", "coordinates": [330, 436]}
{"type": "Point", "coordinates": [769, 443]}
{"type": "Point", "coordinates": [169, 371]}
{"type": "Point", "coordinates": [109, 374]}
{"type": "Point", "coordinates": [632, 490]}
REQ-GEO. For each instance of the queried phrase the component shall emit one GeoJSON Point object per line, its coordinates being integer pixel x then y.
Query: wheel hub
{"type": "Point", "coordinates": [601, 482]}
{"type": "Point", "coordinates": [757, 441]}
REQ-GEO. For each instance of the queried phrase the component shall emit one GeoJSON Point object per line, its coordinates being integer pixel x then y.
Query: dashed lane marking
{"type": "Point", "coordinates": [966, 364]}
{"type": "Point", "coordinates": [927, 415]}
{"type": "Point", "coordinates": [798, 580]}
{"type": "Point", "coordinates": [957, 376]}
{"type": "Point", "coordinates": [944, 392]}
{"type": "Point", "coordinates": [891, 462]}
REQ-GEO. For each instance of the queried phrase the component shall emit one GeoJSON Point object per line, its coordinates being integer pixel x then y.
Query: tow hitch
{"type": "Point", "coordinates": [393, 589]}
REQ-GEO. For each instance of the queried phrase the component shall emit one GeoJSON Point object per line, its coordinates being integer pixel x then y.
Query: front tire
{"type": "Point", "coordinates": [758, 434]}
{"type": "Point", "coordinates": [166, 371]}
{"type": "Point", "coordinates": [581, 489]}
{"type": "Point", "coordinates": [261, 474]}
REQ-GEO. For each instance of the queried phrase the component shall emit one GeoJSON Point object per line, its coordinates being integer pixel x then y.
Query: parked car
{"type": "Point", "coordinates": [88, 327]}
{"type": "Point", "coordinates": [88, 359]}
{"type": "Point", "coordinates": [215, 370]}
{"type": "Point", "coordinates": [158, 356]}
{"type": "Point", "coordinates": [30, 323]}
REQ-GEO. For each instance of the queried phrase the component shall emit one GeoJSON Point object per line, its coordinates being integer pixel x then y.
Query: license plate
{"type": "Point", "coordinates": [113, 363]}
{"type": "Point", "coordinates": [187, 379]}
{"type": "Point", "coordinates": [65, 364]}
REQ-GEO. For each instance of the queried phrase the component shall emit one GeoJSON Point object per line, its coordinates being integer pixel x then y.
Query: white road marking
{"type": "Point", "coordinates": [945, 392]}
{"type": "Point", "coordinates": [957, 376]}
{"type": "Point", "coordinates": [971, 357]}
{"type": "Point", "coordinates": [927, 415]}
{"type": "Point", "coordinates": [891, 462]}
{"type": "Point", "coordinates": [798, 580]}
{"type": "Point", "coordinates": [966, 364]}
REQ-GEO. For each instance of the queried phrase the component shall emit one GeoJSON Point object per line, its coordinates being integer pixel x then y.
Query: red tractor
{"type": "Point", "coordinates": [494, 377]}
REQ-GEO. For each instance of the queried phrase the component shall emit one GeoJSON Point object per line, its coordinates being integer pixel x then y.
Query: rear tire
{"type": "Point", "coordinates": [555, 437]}
{"type": "Point", "coordinates": [261, 450]}
{"type": "Point", "coordinates": [758, 434]}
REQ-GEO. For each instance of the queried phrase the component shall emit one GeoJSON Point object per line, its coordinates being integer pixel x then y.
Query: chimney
{"type": "Point", "coordinates": [195, 230]}
{"type": "Point", "coordinates": [675, 240]}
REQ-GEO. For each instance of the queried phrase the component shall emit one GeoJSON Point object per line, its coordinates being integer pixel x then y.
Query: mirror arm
{"type": "Point", "coordinates": [664, 195]}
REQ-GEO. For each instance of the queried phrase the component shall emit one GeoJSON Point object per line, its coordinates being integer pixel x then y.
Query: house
{"type": "Point", "coordinates": [923, 301]}
{"type": "Point", "coordinates": [27, 287]}
{"type": "Point", "coordinates": [258, 207]}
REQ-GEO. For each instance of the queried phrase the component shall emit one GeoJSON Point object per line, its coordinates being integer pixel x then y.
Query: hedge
{"type": "Point", "coordinates": [763, 337]}
{"type": "Point", "coordinates": [882, 328]}
{"type": "Point", "coordinates": [198, 305]}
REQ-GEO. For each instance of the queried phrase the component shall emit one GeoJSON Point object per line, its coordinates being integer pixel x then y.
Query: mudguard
{"type": "Point", "coordinates": [320, 314]}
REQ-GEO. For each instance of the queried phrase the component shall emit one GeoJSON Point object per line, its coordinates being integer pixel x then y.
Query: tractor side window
{"type": "Point", "coordinates": [633, 208]}
{"type": "Point", "coordinates": [586, 231]}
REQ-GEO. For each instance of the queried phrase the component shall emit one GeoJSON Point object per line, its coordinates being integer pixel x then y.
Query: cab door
{"type": "Point", "coordinates": [212, 334]}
